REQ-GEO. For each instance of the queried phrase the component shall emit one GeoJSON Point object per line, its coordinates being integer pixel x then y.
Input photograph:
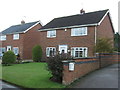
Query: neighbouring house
{"type": "Point", "coordinates": [76, 34]}
{"type": "Point", "coordinates": [20, 39]}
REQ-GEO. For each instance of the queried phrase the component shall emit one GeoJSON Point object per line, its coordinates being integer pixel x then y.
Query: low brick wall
{"type": "Point", "coordinates": [108, 58]}
{"type": "Point", "coordinates": [83, 66]}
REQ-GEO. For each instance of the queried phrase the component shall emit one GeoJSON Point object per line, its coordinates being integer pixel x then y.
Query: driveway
{"type": "Point", "coordinates": [4, 85]}
{"type": "Point", "coordinates": [106, 77]}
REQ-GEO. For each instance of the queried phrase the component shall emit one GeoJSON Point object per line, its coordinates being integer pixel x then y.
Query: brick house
{"type": "Point", "coordinates": [20, 39]}
{"type": "Point", "coordinates": [76, 34]}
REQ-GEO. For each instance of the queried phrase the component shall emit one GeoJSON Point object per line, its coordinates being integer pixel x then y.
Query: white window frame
{"type": "Point", "coordinates": [16, 36]}
{"type": "Point", "coordinates": [79, 31]}
{"type": "Point", "coordinates": [48, 51]}
{"type": "Point", "coordinates": [3, 37]}
{"type": "Point", "coordinates": [15, 51]}
{"type": "Point", "coordinates": [51, 34]}
{"type": "Point", "coordinates": [73, 51]}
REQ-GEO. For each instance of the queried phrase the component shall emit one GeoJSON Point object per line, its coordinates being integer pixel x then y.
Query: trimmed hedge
{"type": "Point", "coordinates": [8, 58]}
{"type": "Point", "coordinates": [37, 53]}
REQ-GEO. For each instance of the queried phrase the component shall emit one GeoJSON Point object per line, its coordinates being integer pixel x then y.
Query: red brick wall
{"type": "Point", "coordinates": [82, 67]}
{"type": "Point", "coordinates": [86, 65]}
{"type": "Point", "coordinates": [107, 59]}
{"type": "Point", "coordinates": [105, 30]}
{"type": "Point", "coordinates": [65, 38]}
{"type": "Point", "coordinates": [14, 43]}
{"type": "Point", "coordinates": [31, 38]}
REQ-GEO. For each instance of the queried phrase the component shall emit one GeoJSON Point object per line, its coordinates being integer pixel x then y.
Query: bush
{"type": "Point", "coordinates": [55, 66]}
{"type": "Point", "coordinates": [104, 45]}
{"type": "Point", "coordinates": [37, 53]}
{"type": "Point", "coordinates": [8, 58]}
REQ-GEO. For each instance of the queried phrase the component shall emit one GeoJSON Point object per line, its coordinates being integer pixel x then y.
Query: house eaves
{"type": "Point", "coordinates": [95, 24]}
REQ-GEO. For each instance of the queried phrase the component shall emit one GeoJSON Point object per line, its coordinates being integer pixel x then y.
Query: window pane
{"type": "Point", "coordinates": [16, 36]}
{"type": "Point", "coordinates": [50, 51]}
{"type": "Point", "coordinates": [76, 53]}
{"type": "Point", "coordinates": [51, 33]}
{"type": "Point", "coordinates": [79, 31]}
{"type": "Point", "coordinates": [79, 52]}
{"type": "Point", "coordinates": [15, 50]}
{"type": "Point", "coordinates": [3, 37]}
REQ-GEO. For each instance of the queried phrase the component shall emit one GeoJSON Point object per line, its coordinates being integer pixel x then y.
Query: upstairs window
{"type": "Point", "coordinates": [78, 52]}
{"type": "Point", "coordinates": [79, 31]}
{"type": "Point", "coordinates": [3, 37]}
{"type": "Point", "coordinates": [15, 36]}
{"type": "Point", "coordinates": [50, 51]}
{"type": "Point", "coordinates": [51, 34]}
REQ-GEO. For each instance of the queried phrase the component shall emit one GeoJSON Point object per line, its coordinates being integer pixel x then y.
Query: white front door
{"type": "Point", "coordinates": [63, 48]}
{"type": "Point", "coordinates": [9, 48]}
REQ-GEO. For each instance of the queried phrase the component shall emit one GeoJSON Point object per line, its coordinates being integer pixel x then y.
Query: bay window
{"type": "Point", "coordinates": [78, 52]}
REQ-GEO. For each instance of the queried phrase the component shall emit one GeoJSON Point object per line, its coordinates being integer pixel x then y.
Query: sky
{"type": "Point", "coordinates": [12, 12]}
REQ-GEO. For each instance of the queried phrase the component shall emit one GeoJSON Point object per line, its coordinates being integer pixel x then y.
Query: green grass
{"type": "Point", "coordinates": [29, 75]}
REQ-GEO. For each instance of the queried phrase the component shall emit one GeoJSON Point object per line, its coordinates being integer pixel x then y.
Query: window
{"type": "Point", "coordinates": [51, 34]}
{"type": "Point", "coordinates": [50, 51]}
{"type": "Point", "coordinates": [78, 52]}
{"type": "Point", "coordinates": [2, 51]}
{"type": "Point", "coordinates": [15, 36]}
{"type": "Point", "coordinates": [16, 50]}
{"type": "Point", "coordinates": [3, 37]}
{"type": "Point", "coordinates": [79, 31]}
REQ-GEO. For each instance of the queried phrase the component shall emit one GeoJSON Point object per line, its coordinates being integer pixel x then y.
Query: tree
{"type": "Point", "coordinates": [37, 53]}
{"type": "Point", "coordinates": [104, 45]}
{"type": "Point", "coordinates": [8, 58]}
{"type": "Point", "coordinates": [117, 42]}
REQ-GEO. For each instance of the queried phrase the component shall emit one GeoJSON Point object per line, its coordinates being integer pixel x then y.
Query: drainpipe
{"type": "Point", "coordinates": [95, 34]}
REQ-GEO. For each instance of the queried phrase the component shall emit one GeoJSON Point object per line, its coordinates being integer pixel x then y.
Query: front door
{"type": "Point", "coordinates": [63, 49]}
{"type": "Point", "coordinates": [9, 48]}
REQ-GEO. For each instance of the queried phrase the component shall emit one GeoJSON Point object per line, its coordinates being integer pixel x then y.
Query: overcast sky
{"type": "Point", "coordinates": [13, 11]}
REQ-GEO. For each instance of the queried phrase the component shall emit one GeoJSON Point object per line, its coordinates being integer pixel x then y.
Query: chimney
{"type": "Point", "coordinates": [82, 11]}
{"type": "Point", "coordinates": [22, 22]}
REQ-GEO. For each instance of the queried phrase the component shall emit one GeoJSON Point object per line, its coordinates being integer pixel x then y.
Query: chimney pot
{"type": "Point", "coordinates": [22, 22]}
{"type": "Point", "coordinates": [82, 11]}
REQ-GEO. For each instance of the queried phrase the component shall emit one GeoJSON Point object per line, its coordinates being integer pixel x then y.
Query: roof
{"type": "Point", "coordinates": [90, 18]}
{"type": "Point", "coordinates": [21, 28]}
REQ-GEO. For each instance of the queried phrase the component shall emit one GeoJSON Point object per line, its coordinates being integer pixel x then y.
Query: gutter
{"type": "Point", "coordinates": [95, 24]}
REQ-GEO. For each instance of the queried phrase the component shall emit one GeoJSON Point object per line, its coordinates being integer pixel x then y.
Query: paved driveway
{"type": "Point", "coordinates": [5, 86]}
{"type": "Point", "coordinates": [104, 78]}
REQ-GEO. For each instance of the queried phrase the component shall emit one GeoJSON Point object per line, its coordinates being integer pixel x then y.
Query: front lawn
{"type": "Point", "coordinates": [29, 75]}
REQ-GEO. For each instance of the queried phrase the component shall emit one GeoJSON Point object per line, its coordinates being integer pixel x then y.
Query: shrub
{"type": "Point", "coordinates": [8, 58]}
{"type": "Point", "coordinates": [37, 53]}
{"type": "Point", "coordinates": [104, 45]}
{"type": "Point", "coordinates": [55, 66]}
